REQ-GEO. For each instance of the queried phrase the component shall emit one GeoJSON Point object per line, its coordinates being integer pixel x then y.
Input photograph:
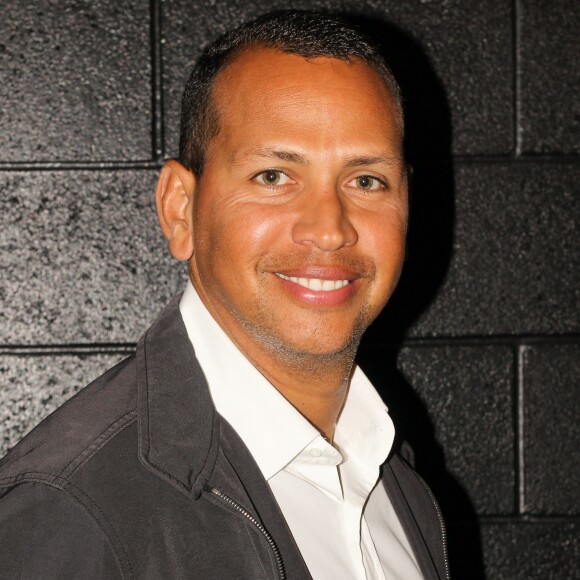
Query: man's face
{"type": "Point", "coordinates": [299, 215]}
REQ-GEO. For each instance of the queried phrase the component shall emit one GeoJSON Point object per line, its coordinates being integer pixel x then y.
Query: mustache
{"type": "Point", "coordinates": [355, 266]}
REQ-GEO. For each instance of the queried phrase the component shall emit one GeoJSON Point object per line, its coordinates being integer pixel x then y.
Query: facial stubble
{"type": "Point", "coordinates": [303, 361]}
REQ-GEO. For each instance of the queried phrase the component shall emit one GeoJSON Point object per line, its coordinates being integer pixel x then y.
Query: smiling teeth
{"type": "Point", "coordinates": [315, 284]}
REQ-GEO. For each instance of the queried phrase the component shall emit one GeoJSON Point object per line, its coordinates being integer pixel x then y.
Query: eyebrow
{"type": "Point", "coordinates": [272, 153]}
{"type": "Point", "coordinates": [371, 160]}
{"type": "Point", "coordinates": [295, 157]}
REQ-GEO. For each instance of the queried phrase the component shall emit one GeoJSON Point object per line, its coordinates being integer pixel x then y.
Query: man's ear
{"type": "Point", "coordinates": [174, 199]}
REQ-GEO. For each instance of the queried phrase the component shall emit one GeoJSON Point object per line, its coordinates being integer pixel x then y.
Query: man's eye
{"type": "Point", "coordinates": [367, 182]}
{"type": "Point", "coordinates": [272, 177]}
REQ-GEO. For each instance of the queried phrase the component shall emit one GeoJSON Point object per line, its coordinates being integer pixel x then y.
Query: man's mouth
{"type": "Point", "coordinates": [315, 284]}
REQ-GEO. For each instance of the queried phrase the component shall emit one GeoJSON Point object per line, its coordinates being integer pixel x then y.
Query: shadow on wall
{"type": "Point", "coordinates": [429, 250]}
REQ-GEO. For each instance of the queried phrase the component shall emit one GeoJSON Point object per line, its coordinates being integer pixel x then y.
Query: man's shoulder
{"type": "Point", "coordinates": [77, 430]}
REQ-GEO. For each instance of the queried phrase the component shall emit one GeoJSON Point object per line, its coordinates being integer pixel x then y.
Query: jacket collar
{"type": "Point", "coordinates": [178, 423]}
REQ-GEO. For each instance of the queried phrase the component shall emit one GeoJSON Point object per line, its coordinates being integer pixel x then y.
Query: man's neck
{"type": "Point", "coordinates": [316, 386]}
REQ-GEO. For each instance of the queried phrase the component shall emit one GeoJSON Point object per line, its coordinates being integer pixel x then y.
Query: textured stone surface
{"type": "Point", "coordinates": [454, 58]}
{"type": "Point", "coordinates": [34, 386]}
{"type": "Point", "coordinates": [454, 405]}
{"type": "Point", "coordinates": [531, 551]}
{"type": "Point", "coordinates": [512, 265]}
{"type": "Point", "coordinates": [74, 81]}
{"type": "Point", "coordinates": [83, 257]}
{"type": "Point", "coordinates": [550, 76]}
{"type": "Point", "coordinates": [552, 429]}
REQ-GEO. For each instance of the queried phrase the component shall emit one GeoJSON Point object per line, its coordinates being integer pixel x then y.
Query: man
{"type": "Point", "coordinates": [263, 451]}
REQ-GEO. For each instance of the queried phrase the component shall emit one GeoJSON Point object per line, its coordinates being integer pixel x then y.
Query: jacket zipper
{"type": "Point", "coordinates": [257, 524]}
{"type": "Point", "coordinates": [441, 524]}
{"type": "Point", "coordinates": [276, 550]}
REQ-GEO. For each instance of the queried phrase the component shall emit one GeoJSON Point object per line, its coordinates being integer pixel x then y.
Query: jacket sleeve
{"type": "Point", "coordinates": [47, 534]}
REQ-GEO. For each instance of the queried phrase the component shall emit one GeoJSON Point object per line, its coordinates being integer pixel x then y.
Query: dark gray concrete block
{"type": "Point", "coordinates": [83, 257]}
{"type": "Point", "coordinates": [552, 429]}
{"type": "Point", "coordinates": [550, 76]}
{"type": "Point", "coordinates": [33, 386]}
{"type": "Point", "coordinates": [498, 255]}
{"type": "Point", "coordinates": [454, 59]}
{"type": "Point", "coordinates": [455, 406]}
{"type": "Point", "coordinates": [75, 81]}
{"type": "Point", "coordinates": [531, 550]}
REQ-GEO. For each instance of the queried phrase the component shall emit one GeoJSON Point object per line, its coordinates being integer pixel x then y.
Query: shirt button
{"type": "Point", "coordinates": [315, 453]}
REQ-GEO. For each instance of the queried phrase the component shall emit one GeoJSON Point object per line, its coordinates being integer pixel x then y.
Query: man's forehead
{"type": "Point", "coordinates": [269, 65]}
{"type": "Point", "coordinates": [282, 106]}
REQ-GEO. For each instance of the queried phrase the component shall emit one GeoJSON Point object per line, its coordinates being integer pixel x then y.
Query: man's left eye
{"type": "Point", "coordinates": [366, 182]}
{"type": "Point", "coordinates": [272, 177]}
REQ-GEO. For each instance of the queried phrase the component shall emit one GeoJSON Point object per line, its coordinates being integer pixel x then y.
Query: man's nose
{"type": "Point", "coordinates": [324, 222]}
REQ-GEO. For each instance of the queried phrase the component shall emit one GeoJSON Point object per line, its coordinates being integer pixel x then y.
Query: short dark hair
{"type": "Point", "coordinates": [307, 33]}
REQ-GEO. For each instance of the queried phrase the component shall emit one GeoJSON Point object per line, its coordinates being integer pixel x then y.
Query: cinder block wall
{"type": "Point", "coordinates": [478, 353]}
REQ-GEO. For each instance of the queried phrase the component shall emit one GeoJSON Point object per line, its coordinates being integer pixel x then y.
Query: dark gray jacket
{"type": "Point", "coordinates": [137, 476]}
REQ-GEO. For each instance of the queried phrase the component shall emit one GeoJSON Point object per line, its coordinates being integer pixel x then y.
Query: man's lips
{"type": "Point", "coordinates": [316, 284]}
{"type": "Point", "coordinates": [320, 285]}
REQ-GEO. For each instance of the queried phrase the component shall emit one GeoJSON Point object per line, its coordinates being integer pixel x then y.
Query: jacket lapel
{"type": "Point", "coordinates": [411, 508]}
{"type": "Point", "coordinates": [178, 426]}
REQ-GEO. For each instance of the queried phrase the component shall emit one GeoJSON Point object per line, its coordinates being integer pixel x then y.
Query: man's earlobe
{"type": "Point", "coordinates": [174, 199]}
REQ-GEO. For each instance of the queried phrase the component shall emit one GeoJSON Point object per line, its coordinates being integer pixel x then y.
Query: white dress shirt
{"type": "Point", "coordinates": [338, 512]}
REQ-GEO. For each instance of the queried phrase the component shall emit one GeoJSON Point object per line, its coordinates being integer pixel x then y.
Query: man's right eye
{"type": "Point", "coordinates": [272, 177]}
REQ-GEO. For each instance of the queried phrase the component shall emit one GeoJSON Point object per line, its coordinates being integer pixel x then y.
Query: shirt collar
{"type": "Point", "coordinates": [364, 430]}
{"type": "Point", "coordinates": [272, 429]}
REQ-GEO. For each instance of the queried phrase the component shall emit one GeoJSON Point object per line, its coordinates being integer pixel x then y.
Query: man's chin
{"type": "Point", "coordinates": [313, 347]}
{"type": "Point", "coordinates": [304, 341]}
